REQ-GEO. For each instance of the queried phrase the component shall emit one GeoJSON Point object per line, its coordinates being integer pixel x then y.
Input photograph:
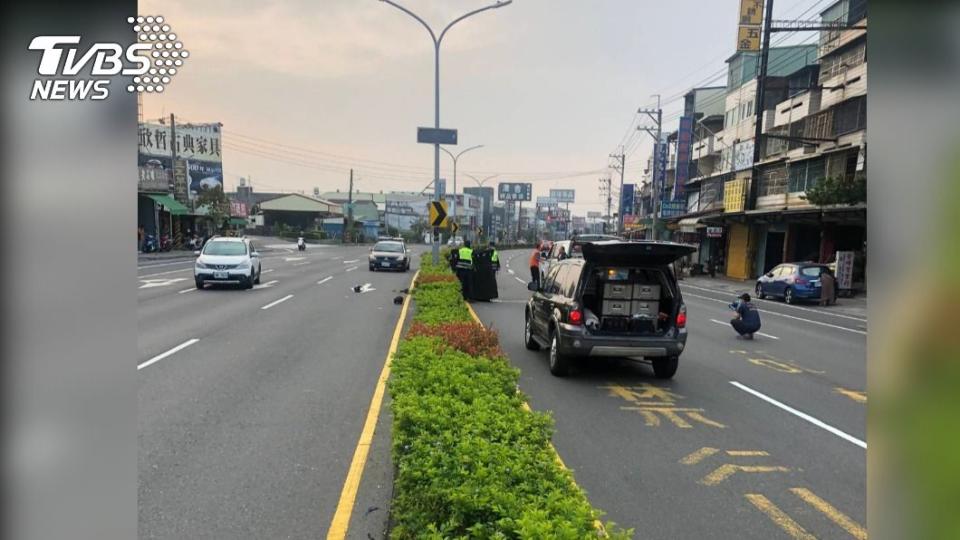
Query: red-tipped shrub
{"type": "Point", "coordinates": [467, 337]}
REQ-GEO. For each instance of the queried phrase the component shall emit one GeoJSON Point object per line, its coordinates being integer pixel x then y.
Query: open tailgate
{"type": "Point", "coordinates": [621, 253]}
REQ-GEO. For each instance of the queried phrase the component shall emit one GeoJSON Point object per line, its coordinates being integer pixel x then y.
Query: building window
{"type": "Point", "coordinates": [773, 180]}
{"type": "Point", "coordinates": [851, 116]}
{"type": "Point", "coordinates": [805, 174]}
{"type": "Point", "coordinates": [838, 63]}
{"type": "Point", "coordinates": [776, 145]}
{"type": "Point", "coordinates": [820, 125]}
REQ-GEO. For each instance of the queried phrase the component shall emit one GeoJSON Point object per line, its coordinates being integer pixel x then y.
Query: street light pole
{"type": "Point", "coordinates": [453, 213]}
{"type": "Point", "coordinates": [481, 182]}
{"type": "Point", "coordinates": [436, 95]}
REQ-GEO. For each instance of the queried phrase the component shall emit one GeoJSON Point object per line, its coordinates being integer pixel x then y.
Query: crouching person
{"type": "Point", "coordinates": [747, 320]}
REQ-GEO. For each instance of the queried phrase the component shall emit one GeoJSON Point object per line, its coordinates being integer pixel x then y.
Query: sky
{"type": "Point", "coordinates": [307, 90]}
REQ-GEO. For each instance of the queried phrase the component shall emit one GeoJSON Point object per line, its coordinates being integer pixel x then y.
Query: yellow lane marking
{"type": "Point", "coordinates": [727, 470]}
{"type": "Point", "coordinates": [774, 365]}
{"type": "Point", "coordinates": [699, 456]}
{"type": "Point", "coordinates": [348, 496]}
{"type": "Point", "coordinates": [601, 531]}
{"type": "Point", "coordinates": [859, 397]}
{"type": "Point", "coordinates": [782, 520]}
{"type": "Point", "coordinates": [670, 413]}
{"type": "Point", "coordinates": [745, 453]}
{"type": "Point", "coordinates": [828, 510]}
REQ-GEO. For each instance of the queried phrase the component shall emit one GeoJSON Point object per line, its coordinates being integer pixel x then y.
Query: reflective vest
{"type": "Point", "coordinates": [465, 258]}
{"type": "Point", "coordinates": [495, 257]}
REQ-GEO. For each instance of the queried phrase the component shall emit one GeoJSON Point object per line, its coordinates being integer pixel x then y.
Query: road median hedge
{"type": "Point", "coordinates": [470, 461]}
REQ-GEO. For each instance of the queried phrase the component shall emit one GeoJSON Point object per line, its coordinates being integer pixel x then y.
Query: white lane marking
{"type": "Point", "coordinates": [174, 350]}
{"type": "Point", "coordinates": [263, 286]}
{"type": "Point", "coordinates": [351, 269]}
{"type": "Point", "coordinates": [152, 283]}
{"type": "Point", "coordinates": [757, 333]}
{"type": "Point", "coordinates": [181, 261]}
{"type": "Point", "coordinates": [337, 258]}
{"type": "Point", "coordinates": [785, 315]}
{"type": "Point", "coordinates": [275, 302]}
{"type": "Point", "coordinates": [292, 259]}
{"type": "Point", "coordinates": [784, 304]}
{"type": "Point", "coordinates": [300, 263]}
{"type": "Point", "coordinates": [324, 280]}
{"type": "Point", "coordinates": [520, 280]}
{"type": "Point", "coordinates": [366, 288]}
{"type": "Point", "coordinates": [165, 273]}
{"type": "Point", "coordinates": [185, 291]}
{"type": "Point", "coordinates": [268, 271]}
{"type": "Point", "coordinates": [351, 261]}
{"type": "Point", "coordinates": [511, 271]}
{"type": "Point", "coordinates": [823, 425]}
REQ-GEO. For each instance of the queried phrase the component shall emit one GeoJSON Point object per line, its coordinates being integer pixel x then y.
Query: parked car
{"type": "Point", "coordinates": [389, 255]}
{"type": "Point", "coordinates": [455, 241]}
{"type": "Point", "coordinates": [621, 299]}
{"type": "Point", "coordinates": [792, 282]}
{"type": "Point", "coordinates": [227, 260]}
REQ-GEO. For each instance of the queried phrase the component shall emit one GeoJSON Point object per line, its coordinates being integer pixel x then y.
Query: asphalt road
{"type": "Point", "coordinates": [251, 402]}
{"type": "Point", "coordinates": [751, 439]}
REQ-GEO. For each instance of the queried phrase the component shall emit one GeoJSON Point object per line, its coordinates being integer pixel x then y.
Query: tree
{"type": "Point", "coordinates": [217, 204]}
{"type": "Point", "coordinates": [849, 190]}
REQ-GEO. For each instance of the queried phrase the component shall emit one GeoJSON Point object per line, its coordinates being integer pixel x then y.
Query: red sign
{"type": "Point", "coordinates": [238, 209]}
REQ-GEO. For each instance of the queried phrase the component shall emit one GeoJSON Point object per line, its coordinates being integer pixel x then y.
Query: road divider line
{"type": "Point", "coordinates": [520, 280]}
{"type": "Point", "coordinates": [301, 263]}
{"type": "Point", "coordinates": [275, 302]}
{"type": "Point", "coordinates": [348, 495]}
{"type": "Point", "coordinates": [179, 261]}
{"type": "Point", "coordinates": [351, 269]}
{"type": "Point", "coordinates": [757, 333]}
{"type": "Point", "coordinates": [351, 261]}
{"type": "Point", "coordinates": [185, 291]}
{"type": "Point", "coordinates": [172, 351]}
{"type": "Point", "coordinates": [820, 424]}
{"type": "Point", "coordinates": [779, 517]}
{"type": "Point", "coordinates": [832, 513]}
{"type": "Point", "coordinates": [267, 271]}
{"type": "Point", "coordinates": [839, 315]}
{"type": "Point", "coordinates": [861, 332]}
{"type": "Point", "coordinates": [324, 280]}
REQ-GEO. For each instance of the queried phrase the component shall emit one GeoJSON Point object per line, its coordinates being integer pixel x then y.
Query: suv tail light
{"type": "Point", "coordinates": [682, 317]}
{"type": "Point", "coordinates": [801, 281]}
{"type": "Point", "coordinates": [575, 317]}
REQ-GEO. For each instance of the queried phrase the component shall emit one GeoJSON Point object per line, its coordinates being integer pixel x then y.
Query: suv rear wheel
{"type": "Point", "coordinates": [559, 363]}
{"type": "Point", "coordinates": [665, 368]}
{"type": "Point", "coordinates": [528, 341]}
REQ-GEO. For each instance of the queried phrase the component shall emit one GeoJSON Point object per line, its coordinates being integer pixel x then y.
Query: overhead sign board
{"type": "Point", "coordinates": [514, 191]}
{"type": "Point", "coordinates": [547, 202]}
{"type": "Point", "coordinates": [563, 195]}
{"type": "Point", "coordinates": [436, 136]}
{"type": "Point", "coordinates": [669, 209]}
{"type": "Point", "coordinates": [684, 155]}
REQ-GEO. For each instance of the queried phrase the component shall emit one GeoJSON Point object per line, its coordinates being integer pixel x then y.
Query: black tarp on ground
{"type": "Point", "coordinates": [483, 279]}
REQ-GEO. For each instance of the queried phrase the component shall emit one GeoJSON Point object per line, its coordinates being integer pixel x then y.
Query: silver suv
{"type": "Point", "coordinates": [227, 260]}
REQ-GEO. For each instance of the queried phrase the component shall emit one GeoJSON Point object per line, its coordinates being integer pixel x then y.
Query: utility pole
{"type": "Point", "coordinates": [348, 230]}
{"type": "Point", "coordinates": [606, 190]}
{"type": "Point", "coordinates": [657, 117]}
{"type": "Point", "coordinates": [173, 169]}
{"type": "Point", "coordinates": [758, 106]}
{"type": "Point", "coordinates": [623, 166]}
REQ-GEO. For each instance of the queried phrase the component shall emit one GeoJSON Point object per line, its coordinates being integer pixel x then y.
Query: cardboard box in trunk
{"type": "Point", "coordinates": [617, 291]}
{"type": "Point", "coordinates": [642, 291]}
{"type": "Point", "coordinates": [616, 308]}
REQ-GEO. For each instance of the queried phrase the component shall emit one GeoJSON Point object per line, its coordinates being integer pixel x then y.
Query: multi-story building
{"type": "Point", "coordinates": [748, 217]}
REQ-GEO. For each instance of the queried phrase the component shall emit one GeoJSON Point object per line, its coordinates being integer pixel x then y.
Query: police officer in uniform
{"type": "Point", "coordinates": [465, 267]}
{"type": "Point", "coordinates": [494, 257]}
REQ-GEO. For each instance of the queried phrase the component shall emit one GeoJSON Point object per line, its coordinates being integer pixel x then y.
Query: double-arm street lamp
{"type": "Point", "coordinates": [455, 157]}
{"type": "Point", "coordinates": [436, 91]}
{"type": "Point", "coordinates": [480, 182]}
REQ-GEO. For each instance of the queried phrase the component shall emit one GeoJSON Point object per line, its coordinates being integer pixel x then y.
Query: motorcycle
{"type": "Point", "coordinates": [166, 243]}
{"type": "Point", "coordinates": [149, 243]}
{"type": "Point", "coordinates": [301, 244]}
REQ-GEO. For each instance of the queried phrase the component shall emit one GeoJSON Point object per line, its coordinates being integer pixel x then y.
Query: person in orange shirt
{"type": "Point", "coordinates": [535, 264]}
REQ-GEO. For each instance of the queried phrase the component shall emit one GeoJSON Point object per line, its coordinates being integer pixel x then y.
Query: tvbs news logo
{"type": "Point", "coordinates": [152, 62]}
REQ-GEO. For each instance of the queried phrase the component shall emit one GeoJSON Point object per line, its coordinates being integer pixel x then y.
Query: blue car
{"type": "Point", "coordinates": [792, 282]}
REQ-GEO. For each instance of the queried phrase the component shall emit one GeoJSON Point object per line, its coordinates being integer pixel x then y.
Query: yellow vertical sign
{"type": "Point", "coordinates": [751, 21]}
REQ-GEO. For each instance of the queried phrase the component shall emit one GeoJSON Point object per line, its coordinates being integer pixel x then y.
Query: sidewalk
{"type": "Point", "coordinates": [855, 307]}
{"type": "Point", "coordinates": [164, 255]}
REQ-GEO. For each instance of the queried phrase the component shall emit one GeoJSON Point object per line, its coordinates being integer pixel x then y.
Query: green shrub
{"type": "Point", "coordinates": [440, 302]}
{"type": "Point", "coordinates": [470, 461]}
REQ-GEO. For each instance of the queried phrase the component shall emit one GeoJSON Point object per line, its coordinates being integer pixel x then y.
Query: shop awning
{"type": "Point", "coordinates": [690, 225]}
{"type": "Point", "coordinates": [170, 204]}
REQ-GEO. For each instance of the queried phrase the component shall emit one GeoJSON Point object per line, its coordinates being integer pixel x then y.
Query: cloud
{"type": "Point", "coordinates": [312, 40]}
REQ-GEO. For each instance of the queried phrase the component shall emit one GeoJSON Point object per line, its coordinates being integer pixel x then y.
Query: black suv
{"type": "Point", "coordinates": [620, 300]}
